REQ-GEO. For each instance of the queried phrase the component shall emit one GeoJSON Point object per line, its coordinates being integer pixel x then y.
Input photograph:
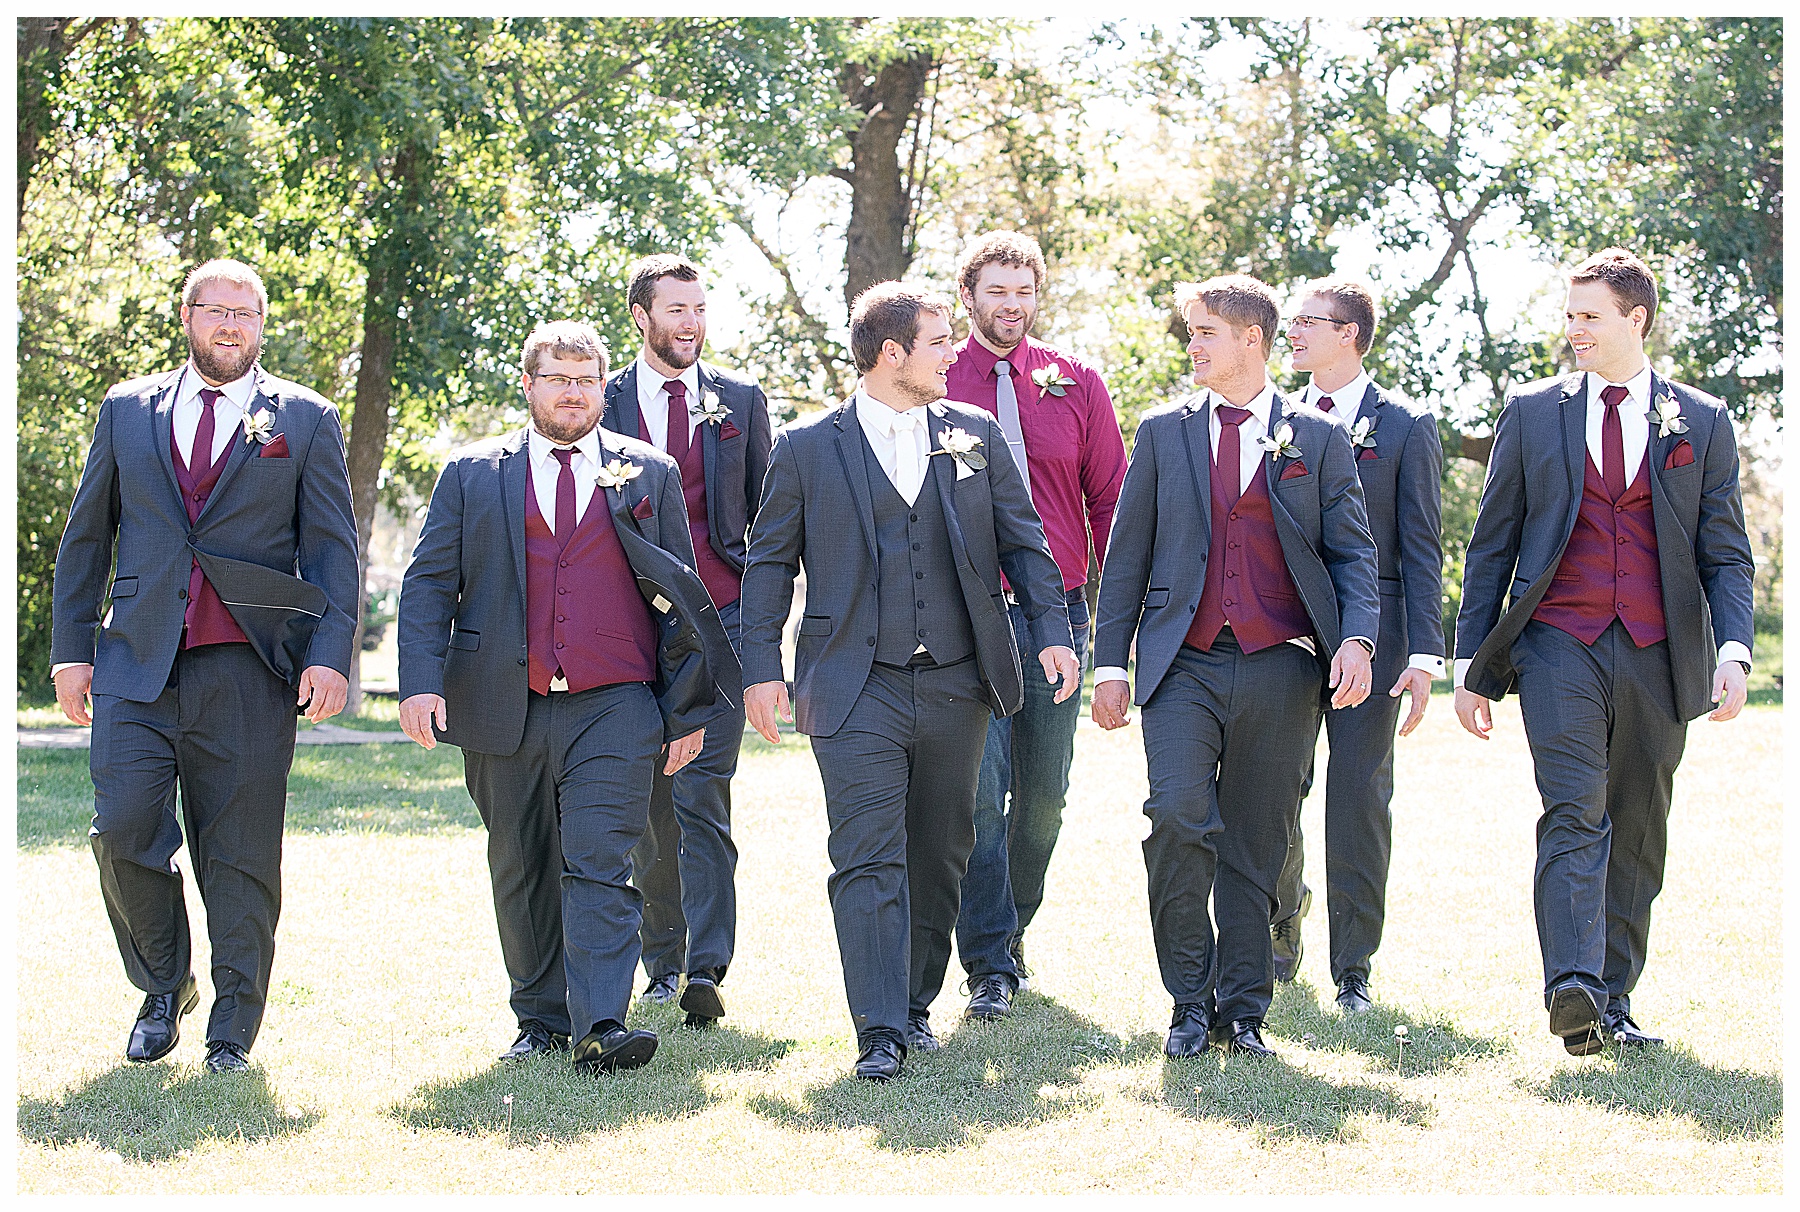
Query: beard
{"type": "Point", "coordinates": [983, 319]}
{"type": "Point", "coordinates": [218, 367]}
{"type": "Point", "coordinates": [919, 385]}
{"type": "Point", "coordinates": [559, 430]}
{"type": "Point", "coordinates": [662, 343]}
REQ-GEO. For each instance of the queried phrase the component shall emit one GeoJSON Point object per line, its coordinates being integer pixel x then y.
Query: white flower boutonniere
{"type": "Point", "coordinates": [259, 427]}
{"type": "Point", "coordinates": [712, 410]}
{"type": "Point", "coordinates": [617, 474]}
{"type": "Point", "coordinates": [1282, 443]}
{"type": "Point", "coordinates": [1668, 415]}
{"type": "Point", "coordinates": [1051, 380]}
{"type": "Point", "coordinates": [962, 446]}
{"type": "Point", "coordinates": [1362, 434]}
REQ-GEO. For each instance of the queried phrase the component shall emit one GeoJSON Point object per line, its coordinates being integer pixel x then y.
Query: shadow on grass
{"type": "Point", "coordinates": [1025, 1069]}
{"type": "Point", "coordinates": [553, 1101]}
{"type": "Point", "coordinates": [1671, 1081]}
{"type": "Point", "coordinates": [1277, 1101]}
{"type": "Point", "coordinates": [153, 1113]}
{"type": "Point", "coordinates": [1433, 1043]}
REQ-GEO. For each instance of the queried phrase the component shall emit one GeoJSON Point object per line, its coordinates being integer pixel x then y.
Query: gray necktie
{"type": "Point", "coordinates": [1008, 399]}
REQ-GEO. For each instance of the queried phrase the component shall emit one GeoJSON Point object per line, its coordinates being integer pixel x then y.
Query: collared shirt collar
{"type": "Point", "coordinates": [651, 381]}
{"type": "Point", "coordinates": [1638, 385]}
{"type": "Point", "coordinates": [878, 416]}
{"type": "Point", "coordinates": [1345, 400]}
{"type": "Point", "coordinates": [540, 446]}
{"type": "Point", "coordinates": [1260, 407]}
{"type": "Point", "coordinates": [240, 391]}
{"type": "Point", "coordinates": [984, 359]}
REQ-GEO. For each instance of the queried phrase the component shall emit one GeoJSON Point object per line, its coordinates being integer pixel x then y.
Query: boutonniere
{"type": "Point", "coordinates": [1282, 444]}
{"type": "Point", "coordinates": [712, 410]}
{"type": "Point", "coordinates": [617, 474]}
{"type": "Point", "coordinates": [1362, 434]}
{"type": "Point", "coordinates": [1668, 415]}
{"type": "Point", "coordinates": [259, 427]}
{"type": "Point", "coordinates": [1051, 380]}
{"type": "Point", "coordinates": [962, 446]}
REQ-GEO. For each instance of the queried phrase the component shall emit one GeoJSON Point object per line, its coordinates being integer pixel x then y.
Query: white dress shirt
{"type": "Point", "coordinates": [545, 468]}
{"type": "Point", "coordinates": [653, 401]}
{"type": "Point", "coordinates": [229, 411]}
{"type": "Point", "coordinates": [901, 442]}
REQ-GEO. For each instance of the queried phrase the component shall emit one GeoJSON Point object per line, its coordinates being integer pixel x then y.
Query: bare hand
{"type": "Point", "coordinates": [1418, 683]}
{"type": "Point", "coordinates": [1060, 662]}
{"type": "Point", "coordinates": [327, 689]}
{"type": "Point", "coordinates": [1350, 674]}
{"type": "Point", "coordinates": [1111, 707]}
{"type": "Point", "coordinates": [417, 714]}
{"type": "Point", "coordinates": [73, 684]}
{"type": "Point", "coordinates": [1475, 712]}
{"type": "Point", "coordinates": [685, 750]}
{"type": "Point", "coordinates": [763, 702]}
{"type": "Point", "coordinates": [1731, 690]}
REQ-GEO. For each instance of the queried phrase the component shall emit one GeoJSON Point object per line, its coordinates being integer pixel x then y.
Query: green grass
{"type": "Point", "coordinates": [376, 1069]}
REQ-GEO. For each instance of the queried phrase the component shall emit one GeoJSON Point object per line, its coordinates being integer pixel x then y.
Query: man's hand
{"type": "Point", "coordinates": [417, 714]}
{"type": "Point", "coordinates": [763, 702]}
{"type": "Point", "coordinates": [1061, 662]}
{"type": "Point", "coordinates": [685, 750]}
{"type": "Point", "coordinates": [1731, 689]}
{"type": "Point", "coordinates": [1111, 707]}
{"type": "Point", "coordinates": [1350, 674]}
{"type": "Point", "coordinates": [1475, 712]}
{"type": "Point", "coordinates": [73, 683]}
{"type": "Point", "coordinates": [1418, 683]}
{"type": "Point", "coordinates": [326, 687]}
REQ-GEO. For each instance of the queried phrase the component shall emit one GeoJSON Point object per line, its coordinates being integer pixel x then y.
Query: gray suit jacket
{"type": "Point", "coordinates": [735, 465]}
{"type": "Point", "coordinates": [1162, 534]}
{"type": "Point", "coordinates": [462, 603]}
{"type": "Point", "coordinates": [276, 539]}
{"type": "Point", "coordinates": [818, 482]}
{"type": "Point", "coordinates": [1403, 493]}
{"type": "Point", "coordinates": [1528, 510]}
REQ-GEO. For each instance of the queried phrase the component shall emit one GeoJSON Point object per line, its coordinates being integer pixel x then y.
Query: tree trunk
{"type": "Point", "coordinates": [880, 204]}
{"type": "Point", "coordinates": [367, 441]}
{"type": "Point", "coordinates": [44, 45]}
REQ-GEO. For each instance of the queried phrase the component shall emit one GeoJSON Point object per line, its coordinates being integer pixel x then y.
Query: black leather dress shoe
{"type": "Point", "coordinates": [610, 1046]}
{"type": "Point", "coordinates": [534, 1039]}
{"type": "Point", "coordinates": [1353, 995]}
{"type": "Point", "coordinates": [702, 1001]}
{"type": "Point", "coordinates": [158, 1026]}
{"type": "Point", "coordinates": [1284, 936]}
{"type": "Point", "coordinates": [1575, 1015]}
{"type": "Point", "coordinates": [1189, 1031]}
{"type": "Point", "coordinates": [881, 1057]}
{"type": "Point", "coordinates": [918, 1034]}
{"type": "Point", "coordinates": [1244, 1036]}
{"type": "Point", "coordinates": [1622, 1030]}
{"type": "Point", "coordinates": [991, 997]}
{"type": "Point", "coordinates": [223, 1056]}
{"type": "Point", "coordinates": [661, 989]}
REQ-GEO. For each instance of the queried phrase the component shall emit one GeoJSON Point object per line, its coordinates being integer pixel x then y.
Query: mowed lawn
{"type": "Point", "coordinates": [375, 1071]}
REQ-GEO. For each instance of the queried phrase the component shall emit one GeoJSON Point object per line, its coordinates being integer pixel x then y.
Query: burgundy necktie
{"type": "Point", "coordinates": [678, 421]}
{"type": "Point", "coordinates": [1324, 403]}
{"type": "Point", "coordinates": [565, 496]}
{"type": "Point", "coordinates": [200, 457]}
{"type": "Point", "coordinates": [1612, 441]}
{"type": "Point", "coordinates": [1229, 462]}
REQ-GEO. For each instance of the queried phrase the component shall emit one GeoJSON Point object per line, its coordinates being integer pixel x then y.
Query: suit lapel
{"type": "Point", "coordinates": [856, 470]}
{"type": "Point", "coordinates": [1574, 422]}
{"type": "Point", "coordinates": [625, 404]}
{"type": "Point", "coordinates": [1196, 425]}
{"type": "Point", "coordinates": [515, 463]}
{"type": "Point", "coordinates": [240, 449]}
{"type": "Point", "coordinates": [162, 422]}
{"type": "Point", "coordinates": [709, 452]}
{"type": "Point", "coordinates": [943, 472]}
{"type": "Point", "coordinates": [1659, 447]}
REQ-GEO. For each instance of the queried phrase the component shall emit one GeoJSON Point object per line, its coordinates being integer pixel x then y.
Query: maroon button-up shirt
{"type": "Point", "coordinates": [1072, 442]}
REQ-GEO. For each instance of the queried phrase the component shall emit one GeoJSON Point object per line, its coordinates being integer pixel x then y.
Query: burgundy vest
{"type": "Point", "coordinates": [721, 580]}
{"type": "Point", "coordinates": [584, 614]}
{"type": "Point", "coordinates": [1247, 580]}
{"type": "Point", "coordinates": [1610, 568]}
{"type": "Point", "coordinates": [206, 621]}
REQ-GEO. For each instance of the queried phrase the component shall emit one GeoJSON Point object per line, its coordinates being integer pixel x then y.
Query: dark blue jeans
{"type": "Point", "coordinates": [1027, 758]}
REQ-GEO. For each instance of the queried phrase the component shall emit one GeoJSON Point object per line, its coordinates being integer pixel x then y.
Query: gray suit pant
{"type": "Point", "coordinates": [571, 801]}
{"type": "Point", "coordinates": [899, 778]}
{"type": "Point", "coordinates": [1605, 740]}
{"type": "Point", "coordinates": [1228, 736]}
{"type": "Point", "coordinates": [686, 864]}
{"type": "Point", "coordinates": [223, 732]}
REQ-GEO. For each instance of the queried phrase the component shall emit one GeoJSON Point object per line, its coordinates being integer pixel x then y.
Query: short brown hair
{"type": "Point", "coordinates": [1626, 276]}
{"type": "Point", "coordinates": [645, 272]}
{"type": "Point", "coordinates": [1238, 299]}
{"type": "Point", "coordinates": [224, 269]}
{"type": "Point", "coordinates": [563, 339]}
{"type": "Point", "coordinates": [1351, 301]}
{"type": "Point", "coordinates": [1001, 248]}
{"type": "Point", "coordinates": [889, 311]}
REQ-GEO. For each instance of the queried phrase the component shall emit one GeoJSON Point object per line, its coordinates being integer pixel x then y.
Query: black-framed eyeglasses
{"type": "Point", "coordinates": [584, 382]}
{"type": "Point", "coordinates": [1309, 321]}
{"type": "Point", "coordinates": [215, 314]}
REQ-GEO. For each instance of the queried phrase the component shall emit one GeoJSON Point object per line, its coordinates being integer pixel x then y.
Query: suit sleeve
{"type": "Point", "coordinates": [1721, 545]}
{"type": "Point", "coordinates": [777, 540]}
{"type": "Point", "coordinates": [431, 590]}
{"type": "Point", "coordinates": [1126, 574]}
{"type": "Point", "coordinates": [757, 444]}
{"type": "Point", "coordinates": [1346, 546]}
{"type": "Point", "coordinates": [1493, 551]}
{"type": "Point", "coordinates": [1024, 552]}
{"type": "Point", "coordinates": [85, 556]}
{"type": "Point", "coordinates": [1419, 502]}
{"type": "Point", "coordinates": [327, 544]}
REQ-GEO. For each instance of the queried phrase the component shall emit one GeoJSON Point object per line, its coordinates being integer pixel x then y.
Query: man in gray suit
{"type": "Point", "coordinates": [552, 626]}
{"type": "Point", "coordinates": [715, 425]}
{"type": "Point", "coordinates": [1241, 565]}
{"type": "Point", "coordinates": [904, 511]}
{"type": "Point", "coordinates": [1608, 581]}
{"type": "Point", "coordinates": [1399, 463]}
{"type": "Point", "coordinates": [223, 493]}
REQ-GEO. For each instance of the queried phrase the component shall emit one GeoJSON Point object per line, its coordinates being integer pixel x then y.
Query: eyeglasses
{"type": "Point", "coordinates": [585, 382]}
{"type": "Point", "coordinates": [212, 313]}
{"type": "Point", "coordinates": [1309, 321]}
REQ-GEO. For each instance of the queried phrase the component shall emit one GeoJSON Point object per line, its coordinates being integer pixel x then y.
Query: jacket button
{"type": "Point", "coordinates": [192, 542]}
{"type": "Point", "coordinates": [871, 641]}
{"type": "Point", "coordinates": [920, 604]}
{"type": "Point", "coordinates": [916, 546]}
{"type": "Point", "coordinates": [919, 576]}
{"type": "Point", "coordinates": [523, 661]}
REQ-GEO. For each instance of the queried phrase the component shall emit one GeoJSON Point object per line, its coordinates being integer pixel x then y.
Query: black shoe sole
{"type": "Point", "coordinates": [634, 1053]}
{"type": "Point", "coordinates": [702, 1000]}
{"type": "Point", "coordinates": [1574, 1018]}
{"type": "Point", "coordinates": [187, 1007]}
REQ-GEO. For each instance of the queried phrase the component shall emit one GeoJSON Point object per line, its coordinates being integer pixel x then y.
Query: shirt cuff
{"type": "Point", "coordinates": [1365, 641]}
{"type": "Point", "coordinates": [62, 665]}
{"type": "Point", "coordinates": [1110, 673]}
{"type": "Point", "coordinates": [1434, 665]}
{"type": "Point", "coordinates": [1462, 670]}
{"type": "Point", "coordinates": [1734, 650]}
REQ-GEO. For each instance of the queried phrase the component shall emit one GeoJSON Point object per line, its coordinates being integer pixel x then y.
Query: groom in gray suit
{"type": "Point", "coordinates": [1608, 581]}
{"type": "Point", "coordinates": [903, 511]}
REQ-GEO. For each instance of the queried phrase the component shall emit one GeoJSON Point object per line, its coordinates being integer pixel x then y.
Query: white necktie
{"type": "Point", "coordinates": [909, 455]}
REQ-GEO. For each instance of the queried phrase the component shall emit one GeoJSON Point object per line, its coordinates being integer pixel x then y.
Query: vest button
{"type": "Point", "coordinates": [1230, 573]}
{"type": "Point", "coordinates": [562, 589]}
{"type": "Point", "coordinates": [562, 618]}
{"type": "Point", "coordinates": [559, 644]}
{"type": "Point", "coordinates": [563, 564]}
{"type": "Point", "coordinates": [1234, 517]}
{"type": "Point", "coordinates": [182, 595]}
{"type": "Point", "coordinates": [1233, 544]}
{"type": "Point", "coordinates": [920, 604]}
{"type": "Point", "coordinates": [1623, 574]}
{"type": "Point", "coordinates": [917, 546]}
{"type": "Point", "coordinates": [918, 576]}
{"type": "Point", "coordinates": [1621, 540]}
{"type": "Point", "coordinates": [1228, 602]}
{"type": "Point", "coordinates": [915, 517]}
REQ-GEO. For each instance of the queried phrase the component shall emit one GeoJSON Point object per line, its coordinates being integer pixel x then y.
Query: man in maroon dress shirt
{"type": "Point", "coordinates": [1059, 421]}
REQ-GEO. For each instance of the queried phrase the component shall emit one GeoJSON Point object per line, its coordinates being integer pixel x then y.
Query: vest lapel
{"type": "Point", "coordinates": [856, 470]}
{"type": "Point", "coordinates": [514, 484]}
{"type": "Point", "coordinates": [239, 448]}
{"type": "Point", "coordinates": [1196, 426]}
{"type": "Point", "coordinates": [162, 421]}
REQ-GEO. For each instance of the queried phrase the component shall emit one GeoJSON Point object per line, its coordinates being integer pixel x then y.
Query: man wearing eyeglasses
{"type": "Point", "coordinates": [552, 626]}
{"type": "Point", "coordinates": [1399, 462]}
{"type": "Point", "coordinates": [715, 425]}
{"type": "Point", "coordinates": [222, 492]}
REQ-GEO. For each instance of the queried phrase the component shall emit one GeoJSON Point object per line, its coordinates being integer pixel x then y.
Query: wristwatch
{"type": "Point", "coordinates": [1744, 665]}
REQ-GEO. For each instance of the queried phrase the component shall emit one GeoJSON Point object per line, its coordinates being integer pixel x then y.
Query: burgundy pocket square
{"type": "Point", "coordinates": [1367, 452]}
{"type": "Point", "coordinates": [1681, 456]}
{"type": "Point", "coordinates": [1294, 470]}
{"type": "Point", "coordinates": [276, 448]}
{"type": "Point", "coordinates": [642, 509]}
{"type": "Point", "coordinates": [728, 430]}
